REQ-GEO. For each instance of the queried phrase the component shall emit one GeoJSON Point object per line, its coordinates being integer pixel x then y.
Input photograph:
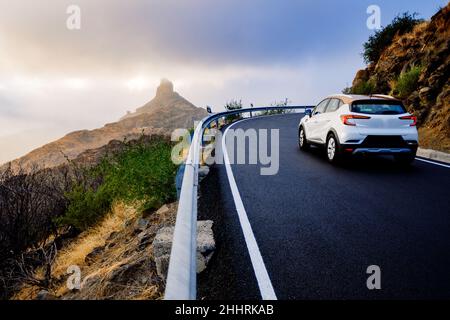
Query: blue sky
{"type": "Point", "coordinates": [53, 80]}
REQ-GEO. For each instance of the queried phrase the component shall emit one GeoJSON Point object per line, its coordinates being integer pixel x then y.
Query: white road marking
{"type": "Point", "coordinates": [264, 283]}
{"type": "Point", "coordinates": [432, 162]}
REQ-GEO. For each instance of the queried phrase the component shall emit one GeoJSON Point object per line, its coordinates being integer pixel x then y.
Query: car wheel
{"type": "Point", "coordinates": [405, 159]}
{"type": "Point", "coordinates": [333, 149]}
{"type": "Point", "coordinates": [302, 142]}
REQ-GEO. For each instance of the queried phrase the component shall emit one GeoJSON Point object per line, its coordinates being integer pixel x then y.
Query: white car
{"type": "Point", "coordinates": [356, 124]}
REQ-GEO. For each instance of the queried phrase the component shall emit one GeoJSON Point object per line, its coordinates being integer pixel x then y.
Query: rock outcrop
{"type": "Point", "coordinates": [165, 99]}
{"type": "Point", "coordinates": [162, 245]}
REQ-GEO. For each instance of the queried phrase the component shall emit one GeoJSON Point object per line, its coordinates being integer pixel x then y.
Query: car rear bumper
{"type": "Point", "coordinates": [381, 145]}
{"type": "Point", "coordinates": [382, 150]}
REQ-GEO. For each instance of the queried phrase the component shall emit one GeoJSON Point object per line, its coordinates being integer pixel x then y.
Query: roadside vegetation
{"type": "Point", "coordinates": [41, 210]}
{"type": "Point", "coordinates": [141, 173]}
{"type": "Point", "coordinates": [233, 105]}
{"type": "Point", "coordinates": [237, 104]}
{"type": "Point", "coordinates": [363, 87]}
{"type": "Point", "coordinates": [407, 82]}
{"type": "Point", "coordinates": [281, 103]}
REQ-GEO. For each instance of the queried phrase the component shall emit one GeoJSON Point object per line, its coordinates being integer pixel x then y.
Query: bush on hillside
{"type": "Point", "coordinates": [378, 42]}
{"type": "Point", "coordinates": [28, 203]}
{"type": "Point", "coordinates": [407, 82]}
{"type": "Point", "coordinates": [363, 87]}
{"type": "Point", "coordinates": [233, 105]}
{"type": "Point", "coordinates": [282, 103]}
{"type": "Point", "coordinates": [143, 172]}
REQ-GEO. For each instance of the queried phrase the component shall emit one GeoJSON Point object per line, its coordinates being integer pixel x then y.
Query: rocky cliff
{"type": "Point", "coordinates": [166, 112]}
{"type": "Point", "coordinates": [426, 49]}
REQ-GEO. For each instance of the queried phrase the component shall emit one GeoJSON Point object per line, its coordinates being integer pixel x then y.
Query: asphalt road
{"type": "Point", "coordinates": [318, 226]}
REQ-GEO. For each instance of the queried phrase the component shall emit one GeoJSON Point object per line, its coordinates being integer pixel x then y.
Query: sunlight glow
{"type": "Point", "coordinates": [138, 84]}
{"type": "Point", "coordinates": [76, 83]}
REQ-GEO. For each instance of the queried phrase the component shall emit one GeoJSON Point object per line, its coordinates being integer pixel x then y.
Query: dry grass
{"type": "Point", "coordinates": [122, 270]}
{"type": "Point", "coordinates": [77, 251]}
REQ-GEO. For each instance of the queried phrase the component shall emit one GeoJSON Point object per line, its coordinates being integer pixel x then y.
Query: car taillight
{"type": "Point", "coordinates": [346, 119]}
{"type": "Point", "coordinates": [411, 118]}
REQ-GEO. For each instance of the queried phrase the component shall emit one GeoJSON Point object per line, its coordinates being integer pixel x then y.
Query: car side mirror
{"type": "Point", "coordinates": [308, 112]}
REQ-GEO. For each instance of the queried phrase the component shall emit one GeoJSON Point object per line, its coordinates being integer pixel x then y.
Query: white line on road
{"type": "Point", "coordinates": [432, 162]}
{"type": "Point", "coordinates": [264, 283]}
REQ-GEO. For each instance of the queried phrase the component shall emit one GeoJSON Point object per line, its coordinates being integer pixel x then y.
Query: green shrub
{"type": "Point", "coordinates": [407, 82]}
{"type": "Point", "coordinates": [86, 206]}
{"type": "Point", "coordinates": [364, 87]}
{"type": "Point", "coordinates": [347, 90]}
{"type": "Point", "coordinates": [383, 38]}
{"type": "Point", "coordinates": [142, 172]}
{"type": "Point", "coordinates": [233, 105]}
{"type": "Point", "coordinates": [281, 103]}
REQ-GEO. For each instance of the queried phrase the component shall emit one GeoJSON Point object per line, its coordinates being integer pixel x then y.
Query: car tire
{"type": "Point", "coordinates": [333, 149]}
{"type": "Point", "coordinates": [302, 142]}
{"type": "Point", "coordinates": [405, 159]}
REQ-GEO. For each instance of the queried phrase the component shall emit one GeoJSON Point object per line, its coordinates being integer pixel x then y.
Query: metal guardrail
{"type": "Point", "coordinates": [182, 274]}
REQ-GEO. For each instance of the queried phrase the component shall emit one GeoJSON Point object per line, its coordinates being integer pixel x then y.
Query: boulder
{"type": "Point", "coordinates": [202, 172]}
{"type": "Point", "coordinates": [205, 237]}
{"type": "Point", "coordinates": [140, 225]}
{"type": "Point", "coordinates": [162, 265]}
{"type": "Point", "coordinates": [163, 210]}
{"type": "Point", "coordinates": [146, 237]}
{"type": "Point", "coordinates": [162, 245]}
{"type": "Point", "coordinates": [125, 271]}
{"type": "Point", "coordinates": [424, 93]}
{"type": "Point", "coordinates": [163, 241]}
{"type": "Point", "coordinates": [90, 257]}
{"type": "Point", "coordinates": [130, 273]}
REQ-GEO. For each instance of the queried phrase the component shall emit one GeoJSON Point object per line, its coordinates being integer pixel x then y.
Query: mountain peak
{"type": "Point", "coordinates": [165, 88]}
{"type": "Point", "coordinates": [165, 99]}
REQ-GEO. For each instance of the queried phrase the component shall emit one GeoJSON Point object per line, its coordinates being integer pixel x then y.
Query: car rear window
{"type": "Point", "coordinates": [378, 107]}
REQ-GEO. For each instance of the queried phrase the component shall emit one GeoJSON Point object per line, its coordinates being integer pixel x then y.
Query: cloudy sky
{"type": "Point", "coordinates": [54, 80]}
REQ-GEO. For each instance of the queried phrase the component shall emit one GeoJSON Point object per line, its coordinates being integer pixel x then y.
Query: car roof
{"type": "Point", "coordinates": [349, 98]}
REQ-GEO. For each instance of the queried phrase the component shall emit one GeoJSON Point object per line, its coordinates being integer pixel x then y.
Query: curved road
{"type": "Point", "coordinates": [318, 227]}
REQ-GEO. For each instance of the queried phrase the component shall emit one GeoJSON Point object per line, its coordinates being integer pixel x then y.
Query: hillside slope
{"type": "Point", "coordinates": [115, 258]}
{"type": "Point", "coordinates": [427, 49]}
{"type": "Point", "coordinates": [166, 112]}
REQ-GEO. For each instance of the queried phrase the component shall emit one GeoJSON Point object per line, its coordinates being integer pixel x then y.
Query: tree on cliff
{"type": "Point", "coordinates": [383, 38]}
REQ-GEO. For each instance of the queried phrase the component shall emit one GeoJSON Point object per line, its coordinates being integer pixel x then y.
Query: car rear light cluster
{"type": "Point", "coordinates": [347, 119]}
{"type": "Point", "coordinates": [411, 118]}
